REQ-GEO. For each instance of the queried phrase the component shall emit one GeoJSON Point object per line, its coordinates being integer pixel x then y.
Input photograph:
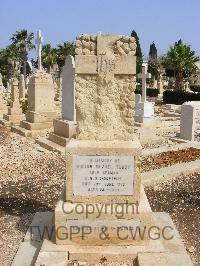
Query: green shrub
{"type": "Point", "coordinates": [151, 92]}
{"type": "Point", "coordinates": [24, 105]}
{"type": "Point", "coordinates": [195, 88]}
{"type": "Point", "coordinates": [179, 97]}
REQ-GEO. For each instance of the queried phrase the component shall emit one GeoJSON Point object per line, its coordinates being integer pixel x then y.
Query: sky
{"type": "Point", "coordinates": [161, 21]}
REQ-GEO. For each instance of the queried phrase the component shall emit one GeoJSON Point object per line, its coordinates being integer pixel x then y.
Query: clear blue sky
{"type": "Point", "coordinates": [161, 21]}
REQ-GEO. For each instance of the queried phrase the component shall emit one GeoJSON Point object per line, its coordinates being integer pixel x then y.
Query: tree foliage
{"type": "Point", "coordinates": [63, 50]}
{"type": "Point", "coordinates": [49, 56]}
{"type": "Point", "coordinates": [22, 41]}
{"type": "Point", "coordinates": [16, 54]}
{"type": "Point", "coordinates": [153, 62]}
{"type": "Point", "coordinates": [180, 60]}
{"type": "Point", "coordinates": [7, 56]}
{"type": "Point", "coordinates": [138, 52]}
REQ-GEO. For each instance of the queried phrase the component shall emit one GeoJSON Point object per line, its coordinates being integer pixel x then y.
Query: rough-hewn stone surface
{"type": "Point", "coordinates": [105, 83]}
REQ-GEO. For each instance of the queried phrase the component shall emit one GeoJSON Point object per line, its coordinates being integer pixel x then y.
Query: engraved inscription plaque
{"type": "Point", "coordinates": [103, 175]}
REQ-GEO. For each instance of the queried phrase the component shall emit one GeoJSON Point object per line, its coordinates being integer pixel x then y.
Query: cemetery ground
{"type": "Point", "coordinates": [32, 179]}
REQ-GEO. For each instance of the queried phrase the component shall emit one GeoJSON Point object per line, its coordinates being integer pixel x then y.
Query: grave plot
{"type": "Point", "coordinates": [170, 158]}
{"type": "Point", "coordinates": [164, 132]}
{"type": "Point", "coordinates": [180, 197]}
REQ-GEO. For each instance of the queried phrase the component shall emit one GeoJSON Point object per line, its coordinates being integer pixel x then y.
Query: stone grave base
{"type": "Point", "coordinates": [39, 246]}
{"type": "Point", "coordinates": [166, 252]}
{"type": "Point", "coordinates": [57, 140]}
{"type": "Point", "coordinates": [10, 120]}
{"type": "Point", "coordinates": [37, 251]}
{"type": "Point", "coordinates": [66, 212]}
{"type": "Point", "coordinates": [50, 145]}
{"type": "Point", "coordinates": [34, 117]}
{"type": "Point", "coordinates": [28, 129]}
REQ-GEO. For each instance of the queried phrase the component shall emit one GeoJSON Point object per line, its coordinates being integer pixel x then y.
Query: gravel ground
{"type": "Point", "coordinates": [31, 179]}
{"type": "Point", "coordinates": [169, 158]}
{"type": "Point", "coordinates": [180, 197]}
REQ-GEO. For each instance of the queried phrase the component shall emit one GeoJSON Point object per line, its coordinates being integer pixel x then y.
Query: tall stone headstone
{"type": "Point", "coordinates": [14, 115]}
{"type": "Point", "coordinates": [65, 127]}
{"type": "Point", "coordinates": [105, 82]}
{"type": "Point", "coordinates": [22, 87]}
{"type": "Point", "coordinates": [68, 90]}
{"type": "Point", "coordinates": [160, 86]}
{"type": "Point", "coordinates": [1, 83]}
{"type": "Point", "coordinates": [9, 85]}
{"type": "Point", "coordinates": [3, 107]}
{"type": "Point", "coordinates": [41, 109]}
{"type": "Point", "coordinates": [27, 81]}
{"type": "Point", "coordinates": [58, 89]}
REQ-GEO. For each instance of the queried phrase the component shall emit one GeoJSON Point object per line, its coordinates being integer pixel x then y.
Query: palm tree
{"type": "Point", "coordinates": [181, 60]}
{"type": "Point", "coordinates": [23, 42]}
{"type": "Point", "coordinates": [49, 56]}
{"type": "Point", "coordinates": [63, 50]}
{"type": "Point", "coordinates": [8, 56]}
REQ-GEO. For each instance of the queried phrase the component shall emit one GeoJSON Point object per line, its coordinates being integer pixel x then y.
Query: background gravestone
{"type": "Point", "coordinates": [14, 115]}
{"type": "Point", "coordinates": [68, 90]}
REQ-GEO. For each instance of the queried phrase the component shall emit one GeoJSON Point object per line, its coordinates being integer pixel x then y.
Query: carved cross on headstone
{"type": "Point", "coordinates": [144, 76]}
{"type": "Point", "coordinates": [104, 84]}
{"type": "Point", "coordinates": [106, 63]}
{"type": "Point", "coordinates": [39, 42]}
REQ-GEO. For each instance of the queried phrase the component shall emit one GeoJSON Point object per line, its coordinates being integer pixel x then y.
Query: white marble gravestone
{"type": "Point", "coordinates": [66, 126]}
{"type": "Point", "coordinates": [68, 90]}
{"type": "Point", "coordinates": [190, 119]}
